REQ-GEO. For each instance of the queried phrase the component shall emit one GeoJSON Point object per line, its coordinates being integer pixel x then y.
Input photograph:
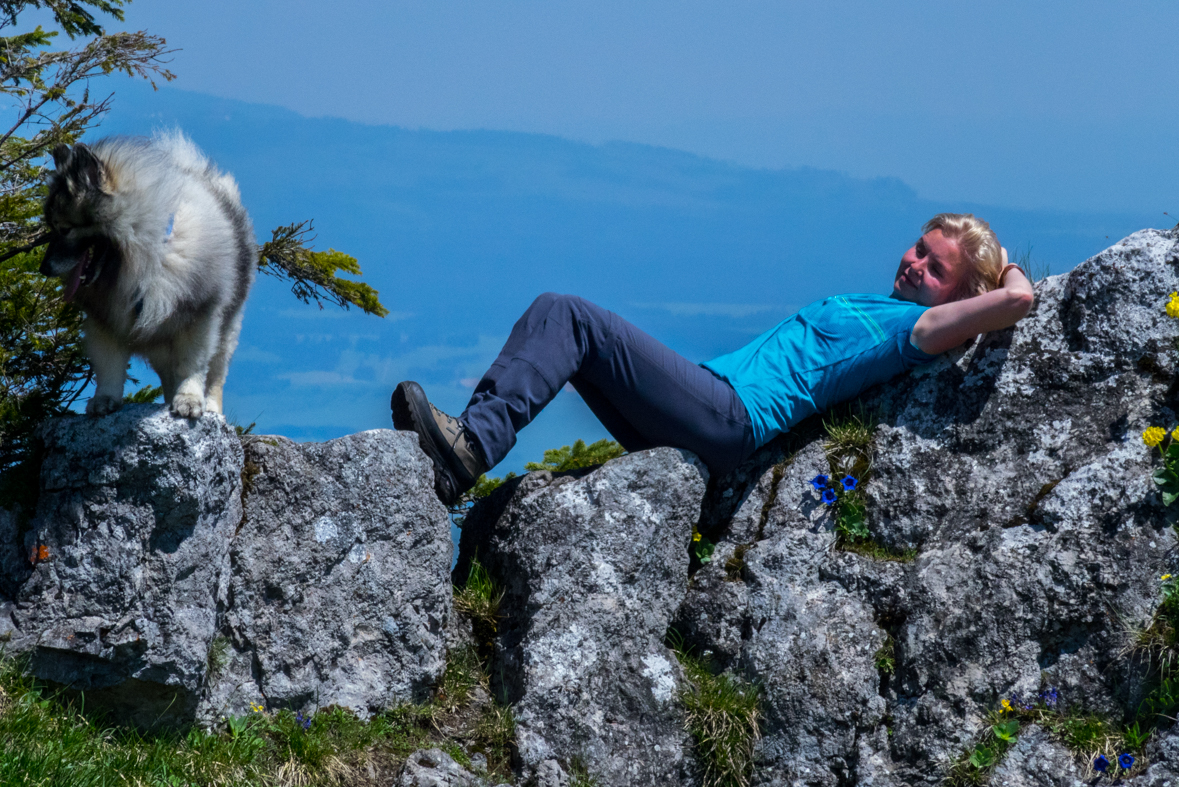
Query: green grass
{"type": "Point", "coordinates": [579, 775]}
{"type": "Point", "coordinates": [722, 714]}
{"type": "Point", "coordinates": [218, 658]}
{"type": "Point", "coordinates": [849, 447]}
{"type": "Point", "coordinates": [46, 739]}
{"type": "Point", "coordinates": [735, 565]}
{"type": "Point", "coordinates": [479, 599]}
{"type": "Point", "coordinates": [1157, 646]}
{"type": "Point", "coordinates": [885, 656]}
{"type": "Point", "coordinates": [849, 440]}
{"type": "Point", "coordinates": [1035, 270]}
{"type": "Point", "coordinates": [976, 764]}
{"type": "Point", "coordinates": [1084, 733]}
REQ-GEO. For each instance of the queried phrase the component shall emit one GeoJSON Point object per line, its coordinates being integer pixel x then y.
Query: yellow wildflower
{"type": "Point", "coordinates": [695, 536]}
{"type": "Point", "coordinates": [1006, 706]}
{"type": "Point", "coordinates": [1173, 305]}
{"type": "Point", "coordinates": [1164, 577]}
{"type": "Point", "coordinates": [1154, 435]}
{"type": "Point", "coordinates": [1175, 433]}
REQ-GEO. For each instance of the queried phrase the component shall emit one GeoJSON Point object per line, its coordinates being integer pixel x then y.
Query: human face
{"type": "Point", "coordinates": [930, 271]}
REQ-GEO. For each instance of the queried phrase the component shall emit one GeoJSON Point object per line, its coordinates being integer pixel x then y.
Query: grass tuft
{"type": "Point", "coordinates": [735, 565]}
{"type": "Point", "coordinates": [849, 442]}
{"type": "Point", "coordinates": [579, 775]}
{"type": "Point", "coordinates": [218, 657]}
{"type": "Point", "coordinates": [974, 767]}
{"type": "Point", "coordinates": [885, 656]}
{"type": "Point", "coordinates": [849, 448]}
{"type": "Point", "coordinates": [479, 599]}
{"type": "Point", "coordinates": [722, 716]}
{"type": "Point", "coordinates": [46, 739]}
{"type": "Point", "coordinates": [1086, 734]}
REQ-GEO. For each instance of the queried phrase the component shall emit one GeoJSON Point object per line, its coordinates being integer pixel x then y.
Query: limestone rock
{"type": "Point", "coordinates": [339, 591]}
{"type": "Point", "coordinates": [158, 598]}
{"type": "Point", "coordinates": [131, 540]}
{"type": "Point", "coordinates": [1017, 471]}
{"type": "Point", "coordinates": [594, 566]}
{"type": "Point", "coordinates": [1038, 761]}
{"type": "Point", "coordinates": [436, 768]}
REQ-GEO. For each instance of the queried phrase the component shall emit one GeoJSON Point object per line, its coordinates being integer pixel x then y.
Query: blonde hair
{"type": "Point", "coordinates": [980, 251]}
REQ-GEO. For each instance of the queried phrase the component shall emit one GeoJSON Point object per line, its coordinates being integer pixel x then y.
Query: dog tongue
{"type": "Point", "coordinates": [75, 280]}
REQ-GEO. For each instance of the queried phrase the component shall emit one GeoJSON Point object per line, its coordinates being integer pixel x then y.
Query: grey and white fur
{"type": "Point", "coordinates": [154, 244]}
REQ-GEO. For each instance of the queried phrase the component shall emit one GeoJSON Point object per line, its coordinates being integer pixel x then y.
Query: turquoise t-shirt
{"type": "Point", "coordinates": [830, 351]}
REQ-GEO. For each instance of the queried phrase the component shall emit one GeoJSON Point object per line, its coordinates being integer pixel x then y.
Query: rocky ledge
{"type": "Point", "coordinates": [986, 585]}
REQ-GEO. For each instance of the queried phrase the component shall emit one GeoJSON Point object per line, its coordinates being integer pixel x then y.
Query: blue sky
{"type": "Point", "coordinates": [1046, 104]}
{"type": "Point", "coordinates": [704, 169]}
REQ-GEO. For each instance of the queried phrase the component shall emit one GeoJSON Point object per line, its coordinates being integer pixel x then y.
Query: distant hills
{"type": "Point", "coordinates": [460, 230]}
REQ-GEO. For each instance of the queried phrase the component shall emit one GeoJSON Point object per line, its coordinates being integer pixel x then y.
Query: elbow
{"type": "Point", "coordinates": [1022, 302]}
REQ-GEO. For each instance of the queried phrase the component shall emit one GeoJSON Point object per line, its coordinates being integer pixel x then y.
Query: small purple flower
{"type": "Point", "coordinates": [1049, 696]}
{"type": "Point", "coordinates": [1025, 704]}
{"type": "Point", "coordinates": [1126, 760]}
{"type": "Point", "coordinates": [819, 482]}
{"type": "Point", "coordinates": [829, 496]}
{"type": "Point", "coordinates": [849, 482]}
{"type": "Point", "coordinates": [305, 723]}
{"type": "Point", "coordinates": [1101, 764]}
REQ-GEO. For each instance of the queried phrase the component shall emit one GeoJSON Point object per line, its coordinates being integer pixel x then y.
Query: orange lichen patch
{"type": "Point", "coordinates": [38, 554]}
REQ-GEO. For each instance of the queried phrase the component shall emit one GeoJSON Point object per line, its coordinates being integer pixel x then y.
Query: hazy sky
{"type": "Point", "coordinates": [1033, 104]}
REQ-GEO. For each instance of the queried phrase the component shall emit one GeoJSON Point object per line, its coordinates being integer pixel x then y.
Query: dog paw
{"type": "Point", "coordinates": [187, 406]}
{"type": "Point", "coordinates": [103, 404]}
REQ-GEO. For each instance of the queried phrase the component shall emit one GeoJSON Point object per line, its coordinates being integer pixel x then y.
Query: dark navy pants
{"type": "Point", "coordinates": [642, 392]}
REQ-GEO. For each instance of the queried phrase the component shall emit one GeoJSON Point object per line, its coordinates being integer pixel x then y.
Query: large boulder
{"type": "Point", "coordinates": [1016, 471]}
{"type": "Point", "coordinates": [130, 543]}
{"type": "Point", "coordinates": [594, 566]}
{"type": "Point", "coordinates": [157, 594]}
{"type": "Point", "coordinates": [339, 591]}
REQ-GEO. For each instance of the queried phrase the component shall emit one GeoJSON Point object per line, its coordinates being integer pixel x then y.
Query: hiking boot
{"type": "Point", "coordinates": [458, 462]}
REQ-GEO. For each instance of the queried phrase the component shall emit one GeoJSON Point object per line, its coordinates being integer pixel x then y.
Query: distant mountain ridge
{"type": "Point", "coordinates": [459, 230]}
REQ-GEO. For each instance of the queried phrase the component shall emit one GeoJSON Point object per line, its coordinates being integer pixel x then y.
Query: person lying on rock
{"type": "Point", "coordinates": [953, 284]}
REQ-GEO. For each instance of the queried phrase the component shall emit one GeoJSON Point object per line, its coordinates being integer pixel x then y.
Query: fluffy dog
{"type": "Point", "coordinates": [154, 244]}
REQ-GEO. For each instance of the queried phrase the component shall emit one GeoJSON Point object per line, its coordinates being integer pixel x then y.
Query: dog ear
{"type": "Point", "coordinates": [61, 156]}
{"type": "Point", "coordinates": [84, 168]}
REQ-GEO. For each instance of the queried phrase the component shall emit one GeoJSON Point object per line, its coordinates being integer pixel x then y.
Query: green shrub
{"type": "Point", "coordinates": [577, 456]}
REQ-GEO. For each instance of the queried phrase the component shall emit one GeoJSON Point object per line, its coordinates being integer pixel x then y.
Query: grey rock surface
{"type": "Point", "coordinates": [1017, 471]}
{"type": "Point", "coordinates": [131, 539]}
{"type": "Point", "coordinates": [177, 578]}
{"type": "Point", "coordinates": [594, 566]}
{"type": "Point", "coordinates": [339, 590]}
{"type": "Point", "coordinates": [14, 561]}
{"type": "Point", "coordinates": [436, 768]}
{"type": "Point", "coordinates": [1038, 761]}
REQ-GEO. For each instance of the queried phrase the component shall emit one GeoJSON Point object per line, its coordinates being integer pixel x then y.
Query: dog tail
{"type": "Point", "coordinates": [189, 157]}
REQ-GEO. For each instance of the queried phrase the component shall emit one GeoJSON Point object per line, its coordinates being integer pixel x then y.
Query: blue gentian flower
{"type": "Point", "coordinates": [1126, 761]}
{"type": "Point", "coordinates": [849, 483]}
{"type": "Point", "coordinates": [1026, 704]}
{"type": "Point", "coordinates": [829, 496]}
{"type": "Point", "coordinates": [1049, 696]}
{"type": "Point", "coordinates": [819, 482]}
{"type": "Point", "coordinates": [1101, 763]}
{"type": "Point", "coordinates": [305, 723]}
